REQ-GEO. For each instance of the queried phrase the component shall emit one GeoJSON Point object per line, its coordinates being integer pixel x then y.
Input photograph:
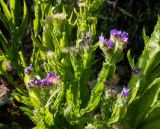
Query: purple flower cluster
{"type": "Point", "coordinates": [125, 92]}
{"type": "Point", "coordinates": [107, 42]}
{"type": "Point", "coordinates": [119, 35]}
{"type": "Point", "coordinates": [28, 70]}
{"type": "Point", "coordinates": [49, 80]}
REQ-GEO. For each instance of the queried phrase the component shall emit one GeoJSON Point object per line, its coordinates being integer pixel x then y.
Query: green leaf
{"type": "Point", "coordinates": [38, 44]}
{"type": "Point", "coordinates": [35, 99]}
{"type": "Point", "coordinates": [105, 108]}
{"type": "Point", "coordinates": [22, 59]}
{"type": "Point", "coordinates": [25, 100]}
{"type": "Point", "coordinates": [48, 117]}
{"type": "Point", "coordinates": [38, 18]}
{"type": "Point", "coordinates": [106, 72]}
{"type": "Point", "coordinates": [17, 96]}
{"type": "Point", "coordinates": [131, 61]}
{"type": "Point", "coordinates": [15, 9]}
{"type": "Point", "coordinates": [51, 98]}
{"type": "Point", "coordinates": [94, 99]}
{"type": "Point", "coordinates": [4, 20]}
{"type": "Point", "coordinates": [143, 60]}
{"type": "Point", "coordinates": [115, 115]}
{"type": "Point", "coordinates": [152, 47]}
{"type": "Point", "coordinates": [155, 37]}
{"type": "Point", "coordinates": [5, 10]}
{"type": "Point", "coordinates": [143, 105]}
{"type": "Point", "coordinates": [145, 37]}
{"type": "Point", "coordinates": [152, 63]}
{"type": "Point", "coordinates": [27, 111]}
{"type": "Point", "coordinates": [3, 42]}
{"type": "Point", "coordinates": [153, 114]}
{"type": "Point", "coordinates": [134, 90]}
{"type": "Point", "coordinates": [58, 99]}
{"type": "Point", "coordinates": [40, 125]}
{"type": "Point", "coordinates": [24, 23]}
{"type": "Point", "coordinates": [119, 110]}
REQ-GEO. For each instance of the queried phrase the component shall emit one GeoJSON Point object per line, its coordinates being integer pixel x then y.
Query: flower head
{"type": "Point", "coordinates": [119, 35]}
{"type": "Point", "coordinates": [49, 80]}
{"type": "Point", "coordinates": [125, 92]}
{"type": "Point", "coordinates": [52, 78]}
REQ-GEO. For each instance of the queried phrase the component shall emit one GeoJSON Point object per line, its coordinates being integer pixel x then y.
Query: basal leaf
{"type": "Point", "coordinates": [152, 115]}
{"type": "Point", "coordinates": [143, 105]}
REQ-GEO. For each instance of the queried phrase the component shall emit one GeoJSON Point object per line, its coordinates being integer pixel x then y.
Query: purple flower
{"type": "Point", "coordinates": [52, 78]}
{"type": "Point", "coordinates": [28, 69]}
{"type": "Point", "coordinates": [102, 39]}
{"type": "Point", "coordinates": [110, 43]}
{"type": "Point", "coordinates": [125, 92]}
{"type": "Point", "coordinates": [119, 35]}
